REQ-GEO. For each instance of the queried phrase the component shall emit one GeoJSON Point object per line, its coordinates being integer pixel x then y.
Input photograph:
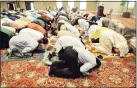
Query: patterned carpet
{"type": "Point", "coordinates": [33, 73]}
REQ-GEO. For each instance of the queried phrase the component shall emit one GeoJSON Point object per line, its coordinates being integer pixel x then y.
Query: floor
{"type": "Point", "coordinates": [129, 22]}
{"type": "Point", "coordinates": [118, 72]}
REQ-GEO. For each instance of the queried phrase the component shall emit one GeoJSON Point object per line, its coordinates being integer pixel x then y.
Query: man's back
{"type": "Point", "coordinates": [33, 33]}
{"type": "Point", "coordinates": [65, 41]}
{"type": "Point", "coordinates": [22, 41]}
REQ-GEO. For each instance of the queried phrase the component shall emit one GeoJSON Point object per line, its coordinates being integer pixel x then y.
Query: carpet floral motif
{"type": "Point", "coordinates": [33, 73]}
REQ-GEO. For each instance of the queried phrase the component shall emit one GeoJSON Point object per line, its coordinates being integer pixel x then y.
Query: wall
{"type": "Point", "coordinates": [117, 8]}
{"type": "Point", "coordinates": [65, 4]}
{"type": "Point", "coordinates": [50, 4]}
{"type": "Point", "coordinates": [22, 5]}
{"type": "Point", "coordinates": [134, 11]}
{"type": "Point", "coordinates": [131, 10]}
{"type": "Point", "coordinates": [39, 5]}
{"type": "Point", "coordinates": [91, 6]}
{"type": "Point", "coordinates": [3, 6]}
{"type": "Point", "coordinates": [77, 4]}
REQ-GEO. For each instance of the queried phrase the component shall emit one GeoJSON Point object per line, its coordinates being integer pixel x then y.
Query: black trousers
{"type": "Point", "coordinates": [95, 40]}
{"type": "Point", "coordinates": [92, 23]}
{"type": "Point", "coordinates": [69, 68]}
{"type": "Point", "coordinates": [95, 18]}
{"type": "Point", "coordinates": [4, 40]}
{"type": "Point", "coordinates": [61, 70]}
{"type": "Point", "coordinates": [75, 22]}
{"type": "Point", "coordinates": [59, 25]}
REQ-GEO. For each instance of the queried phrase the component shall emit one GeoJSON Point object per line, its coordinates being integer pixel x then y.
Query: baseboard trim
{"type": "Point", "coordinates": [90, 11]}
{"type": "Point", "coordinates": [104, 13]}
{"type": "Point", "coordinates": [116, 13]}
{"type": "Point", "coordinates": [133, 16]}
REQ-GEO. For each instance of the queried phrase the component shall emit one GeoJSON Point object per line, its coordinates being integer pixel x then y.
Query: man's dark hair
{"type": "Point", "coordinates": [92, 23]}
{"type": "Point", "coordinates": [113, 50]}
{"type": "Point", "coordinates": [131, 50]}
{"type": "Point", "coordinates": [54, 31]}
{"type": "Point", "coordinates": [59, 26]}
{"type": "Point", "coordinates": [45, 40]}
{"type": "Point", "coordinates": [61, 8]}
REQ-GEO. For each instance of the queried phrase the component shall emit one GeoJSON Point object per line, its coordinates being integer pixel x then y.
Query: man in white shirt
{"type": "Point", "coordinates": [33, 33]}
{"type": "Point", "coordinates": [63, 18]}
{"type": "Point", "coordinates": [83, 24]}
{"type": "Point", "coordinates": [51, 16]}
{"type": "Point", "coordinates": [70, 28]}
{"type": "Point", "coordinates": [54, 13]}
{"type": "Point", "coordinates": [26, 42]}
{"type": "Point", "coordinates": [77, 59]}
{"type": "Point", "coordinates": [65, 32]}
{"type": "Point", "coordinates": [110, 40]}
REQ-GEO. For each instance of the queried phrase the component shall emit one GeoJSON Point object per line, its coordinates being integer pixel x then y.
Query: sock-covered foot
{"type": "Point", "coordinates": [51, 71]}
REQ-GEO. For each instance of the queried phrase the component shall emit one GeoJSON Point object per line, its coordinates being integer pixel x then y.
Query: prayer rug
{"type": "Point", "coordinates": [15, 58]}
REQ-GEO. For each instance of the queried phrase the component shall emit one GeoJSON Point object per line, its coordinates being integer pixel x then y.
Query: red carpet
{"type": "Point", "coordinates": [33, 73]}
